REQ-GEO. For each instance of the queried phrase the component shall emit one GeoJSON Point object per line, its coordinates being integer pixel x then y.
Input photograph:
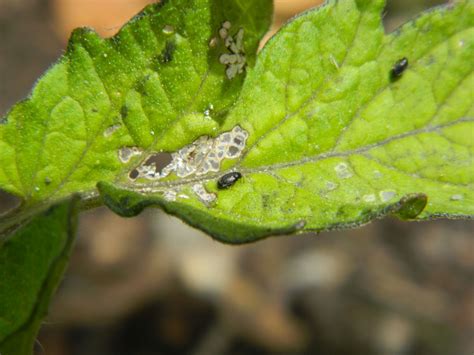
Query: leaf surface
{"type": "Point", "coordinates": [334, 138]}
{"type": "Point", "coordinates": [32, 262]}
{"type": "Point", "coordinates": [324, 135]}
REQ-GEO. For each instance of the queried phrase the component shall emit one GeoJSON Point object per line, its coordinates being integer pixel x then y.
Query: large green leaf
{"type": "Point", "coordinates": [324, 136]}
{"type": "Point", "coordinates": [32, 263]}
{"type": "Point", "coordinates": [334, 139]}
{"type": "Point", "coordinates": [159, 83]}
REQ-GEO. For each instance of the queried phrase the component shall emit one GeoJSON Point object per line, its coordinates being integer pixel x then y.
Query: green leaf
{"type": "Point", "coordinates": [334, 139]}
{"type": "Point", "coordinates": [322, 132]}
{"type": "Point", "coordinates": [160, 82]}
{"type": "Point", "coordinates": [32, 263]}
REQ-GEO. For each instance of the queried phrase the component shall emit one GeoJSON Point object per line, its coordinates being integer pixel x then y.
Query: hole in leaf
{"type": "Point", "coordinates": [133, 174]}
{"type": "Point", "coordinates": [159, 160]}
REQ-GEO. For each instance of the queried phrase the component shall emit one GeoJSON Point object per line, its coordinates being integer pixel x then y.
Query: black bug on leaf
{"type": "Point", "coordinates": [398, 68]}
{"type": "Point", "coordinates": [168, 52]}
{"type": "Point", "coordinates": [228, 180]}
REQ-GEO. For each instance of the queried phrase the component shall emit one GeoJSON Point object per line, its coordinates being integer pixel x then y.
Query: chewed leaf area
{"type": "Point", "coordinates": [342, 124]}
{"type": "Point", "coordinates": [201, 157]}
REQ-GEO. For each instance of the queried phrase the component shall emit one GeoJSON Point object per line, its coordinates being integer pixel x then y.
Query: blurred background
{"type": "Point", "coordinates": [152, 285]}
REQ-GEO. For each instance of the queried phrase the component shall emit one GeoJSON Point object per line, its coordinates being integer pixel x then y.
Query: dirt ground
{"type": "Point", "coordinates": [152, 285]}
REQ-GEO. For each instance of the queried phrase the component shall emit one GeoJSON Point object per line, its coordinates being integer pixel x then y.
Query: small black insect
{"type": "Point", "coordinates": [228, 180]}
{"type": "Point", "coordinates": [399, 67]}
{"type": "Point", "coordinates": [168, 52]}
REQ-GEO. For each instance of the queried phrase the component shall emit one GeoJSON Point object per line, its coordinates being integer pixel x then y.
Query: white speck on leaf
{"type": "Point", "coordinates": [457, 197]}
{"type": "Point", "coordinates": [331, 186]}
{"type": "Point", "coordinates": [213, 42]}
{"type": "Point", "coordinates": [168, 29]}
{"type": "Point", "coordinates": [203, 195]}
{"type": "Point", "coordinates": [386, 196]}
{"type": "Point", "coordinates": [333, 61]}
{"type": "Point", "coordinates": [111, 130]}
{"type": "Point", "coordinates": [369, 198]}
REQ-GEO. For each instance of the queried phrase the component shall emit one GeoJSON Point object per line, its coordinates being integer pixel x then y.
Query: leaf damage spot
{"type": "Point", "coordinates": [331, 186]}
{"type": "Point", "coordinates": [127, 153]}
{"type": "Point", "coordinates": [333, 61]}
{"type": "Point", "coordinates": [202, 156]}
{"type": "Point", "coordinates": [457, 197]}
{"type": "Point", "coordinates": [369, 198]}
{"type": "Point", "coordinates": [111, 130]}
{"type": "Point", "coordinates": [203, 195]}
{"type": "Point", "coordinates": [235, 60]}
{"type": "Point", "coordinates": [133, 174]}
{"type": "Point", "coordinates": [386, 196]}
{"type": "Point", "coordinates": [170, 195]}
{"type": "Point", "coordinates": [155, 163]}
{"type": "Point", "coordinates": [343, 171]}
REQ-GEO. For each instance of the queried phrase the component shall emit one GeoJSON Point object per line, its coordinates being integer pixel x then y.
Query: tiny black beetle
{"type": "Point", "coordinates": [228, 180]}
{"type": "Point", "coordinates": [399, 67]}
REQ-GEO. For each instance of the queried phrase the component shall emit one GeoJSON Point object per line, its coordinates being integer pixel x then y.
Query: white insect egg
{"type": "Point", "coordinates": [223, 33]}
{"type": "Point", "coordinates": [213, 42]}
{"type": "Point", "coordinates": [235, 60]}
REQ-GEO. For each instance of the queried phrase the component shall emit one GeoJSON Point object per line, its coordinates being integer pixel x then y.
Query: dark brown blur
{"type": "Point", "coordinates": [152, 285]}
